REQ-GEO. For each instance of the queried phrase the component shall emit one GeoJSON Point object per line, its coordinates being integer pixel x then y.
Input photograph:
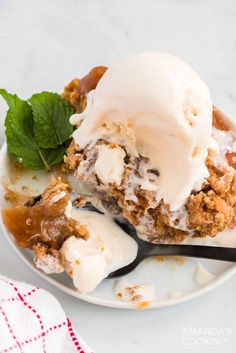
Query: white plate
{"type": "Point", "coordinates": [167, 276]}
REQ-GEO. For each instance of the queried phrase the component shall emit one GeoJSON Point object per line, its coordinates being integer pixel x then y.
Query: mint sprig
{"type": "Point", "coordinates": [34, 146]}
{"type": "Point", "coordinates": [51, 115]}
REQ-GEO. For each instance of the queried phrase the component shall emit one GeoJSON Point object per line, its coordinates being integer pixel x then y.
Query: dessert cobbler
{"type": "Point", "coordinates": [147, 146]}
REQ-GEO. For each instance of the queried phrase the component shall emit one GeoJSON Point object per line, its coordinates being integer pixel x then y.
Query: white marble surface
{"type": "Point", "coordinates": [43, 44]}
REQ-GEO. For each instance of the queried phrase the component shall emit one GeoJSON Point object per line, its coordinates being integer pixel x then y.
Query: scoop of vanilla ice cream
{"type": "Point", "coordinates": [107, 249]}
{"type": "Point", "coordinates": [155, 105]}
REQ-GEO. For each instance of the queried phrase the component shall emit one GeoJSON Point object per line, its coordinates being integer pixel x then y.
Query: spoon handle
{"type": "Point", "coordinates": [199, 251]}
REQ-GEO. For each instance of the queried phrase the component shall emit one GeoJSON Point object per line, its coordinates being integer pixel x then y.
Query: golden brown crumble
{"type": "Point", "coordinates": [72, 157]}
{"type": "Point", "coordinates": [41, 251]}
{"type": "Point", "coordinates": [213, 208]}
{"type": "Point", "coordinates": [208, 213]}
{"type": "Point", "coordinates": [143, 305]}
{"type": "Point", "coordinates": [55, 187]}
{"type": "Point", "coordinates": [159, 258]}
{"type": "Point", "coordinates": [178, 259]}
{"type": "Point", "coordinates": [79, 202]}
{"type": "Point", "coordinates": [78, 230]}
{"type": "Point", "coordinates": [73, 96]}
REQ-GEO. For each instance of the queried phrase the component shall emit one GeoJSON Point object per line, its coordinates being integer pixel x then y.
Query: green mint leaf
{"type": "Point", "coordinates": [19, 130]}
{"type": "Point", "coordinates": [44, 159]}
{"type": "Point", "coordinates": [19, 125]}
{"type": "Point", "coordinates": [54, 156]}
{"type": "Point", "coordinates": [51, 115]}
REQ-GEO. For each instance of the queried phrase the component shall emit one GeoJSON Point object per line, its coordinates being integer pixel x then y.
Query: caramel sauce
{"type": "Point", "coordinates": [43, 223]}
{"type": "Point", "coordinates": [75, 92]}
{"type": "Point", "coordinates": [218, 122]}
{"type": "Point", "coordinates": [90, 81]}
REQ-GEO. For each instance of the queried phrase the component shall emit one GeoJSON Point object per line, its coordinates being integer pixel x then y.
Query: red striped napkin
{"type": "Point", "coordinates": [33, 321]}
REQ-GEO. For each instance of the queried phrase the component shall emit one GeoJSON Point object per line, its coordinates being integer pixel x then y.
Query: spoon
{"type": "Point", "coordinates": [146, 249]}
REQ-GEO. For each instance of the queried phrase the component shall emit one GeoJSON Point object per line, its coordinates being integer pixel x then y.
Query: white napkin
{"type": "Point", "coordinates": [32, 321]}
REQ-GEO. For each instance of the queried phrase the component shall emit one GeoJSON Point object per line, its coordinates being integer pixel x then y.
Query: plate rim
{"type": "Point", "coordinates": [220, 279]}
